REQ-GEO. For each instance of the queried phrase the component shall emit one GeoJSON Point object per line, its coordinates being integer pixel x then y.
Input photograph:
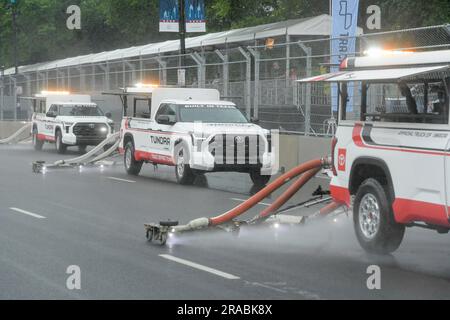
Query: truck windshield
{"type": "Point", "coordinates": [81, 111]}
{"type": "Point", "coordinates": [211, 114]}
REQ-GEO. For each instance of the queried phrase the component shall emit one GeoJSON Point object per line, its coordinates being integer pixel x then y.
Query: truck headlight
{"type": "Point", "coordinates": [103, 129]}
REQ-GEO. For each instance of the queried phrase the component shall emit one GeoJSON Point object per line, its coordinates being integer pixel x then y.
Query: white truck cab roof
{"type": "Point", "coordinates": [81, 104]}
{"type": "Point", "coordinates": [200, 102]}
{"type": "Point", "coordinates": [386, 66]}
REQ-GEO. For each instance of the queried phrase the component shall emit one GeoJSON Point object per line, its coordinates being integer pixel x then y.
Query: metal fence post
{"type": "Point", "coordinates": [248, 82]}
{"type": "Point", "coordinates": [94, 81]}
{"type": "Point", "coordinates": [82, 78]}
{"type": "Point", "coordinates": [2, 100]}
{"type": "Point", "coordinates": [63, 77]}
{"type": "Point", "coordinates": [106, 71]}
{"type": "Point", "coordinates": [162, 71]}
{"type": "Point", "coordinates": [288, 57]}
{"type": "Point", "coordinates": [257, 55]}
{"type": "Point", "coordinates": [226, 72]}
{"type": "Point", "coordinates": [28, 80]}
{"type": "Point", "coordinates": [201, 69]}
{"type": "Point", "coordinates": [141, 69]}
{"type": "Point", "coordinates": [14, 94]}
{"type": "Point", "coordinates": [308, 52]}
{"type": "Point", "coordinates": [69, 81]}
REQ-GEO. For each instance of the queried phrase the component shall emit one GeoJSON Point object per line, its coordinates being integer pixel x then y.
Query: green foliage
{"type": "Point", "coordinates": [110, 24]}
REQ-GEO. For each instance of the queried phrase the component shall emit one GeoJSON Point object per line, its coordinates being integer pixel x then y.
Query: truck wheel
{"type": "Point", "coordinates": [259, 179]}
{"type": "Point", "coordinates": [375, 226]}
{"type": "Point", "coordinates": [183, 171]}
{"type": "Point", "coordinates": [61, 148]}
{"type": "Point", "coordinates": [132, 166]}
{"type": "Point", "coordinates": [37, 144]}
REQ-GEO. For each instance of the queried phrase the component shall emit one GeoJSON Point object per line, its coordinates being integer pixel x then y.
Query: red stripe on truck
{"type": "Point", "coordinates": [340, 195]}
{"type": "Point", "coordinates": [358, 140]}
{"type": "Point", "coordinates": [43, 137]}
{"type": "Point", "coordinates": [407, 211]}
{"type": "Point", "coordinates": [154, 157]}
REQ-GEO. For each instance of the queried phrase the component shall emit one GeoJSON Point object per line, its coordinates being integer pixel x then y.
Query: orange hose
{"type": "Point", "coordinates": [264, 193]}
{"type": "Point", "coordinates": [329, 209]}
{"type": "Point", "coordinates": [288, 194]}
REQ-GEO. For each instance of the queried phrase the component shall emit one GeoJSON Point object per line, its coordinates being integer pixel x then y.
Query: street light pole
{"type": "Point", "coordinates": [2, 86]}
{"type": "Point", "coordinates": [182, 31]}
{"type": "Point", "coordinates": [14, 22]}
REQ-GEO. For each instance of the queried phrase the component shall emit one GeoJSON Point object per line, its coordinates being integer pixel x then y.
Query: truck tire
{"type": "Point", "coordinates": [37, 144]}
{"type": "Point", "coordinates": [259, 179]}
{"type": "Point", "coordinates": [375, 226]}
{"type": "Point", "coordinates": [183, 171]}
{"type": "Point", "coordinates": [132, 166]}
{"type": "Point", "coordinates": [61, 148]}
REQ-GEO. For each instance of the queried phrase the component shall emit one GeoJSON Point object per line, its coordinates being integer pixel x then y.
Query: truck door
{"type": "Point", "coordinates": [161, 139]}
{"type": "Point", "coordinates": [50, 122]}
{"type": "Point", "coordinates": [447, 177]}
{"type": "Point", "coordinates": [447, 158]}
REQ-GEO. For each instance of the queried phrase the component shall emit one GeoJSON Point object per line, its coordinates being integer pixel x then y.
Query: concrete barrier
{"type": "Point", "coordinates": [297, 149]}
{"type": "Point", "coordinates": [8, 128]}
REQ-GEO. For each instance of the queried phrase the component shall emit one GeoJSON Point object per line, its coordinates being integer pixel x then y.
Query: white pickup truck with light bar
{"type": "Point", "coordinates": [68, 120]}
{"type": "Point", "coordinates": [194, 131]}
{"type": "Point", "coordinates": [392, 147]}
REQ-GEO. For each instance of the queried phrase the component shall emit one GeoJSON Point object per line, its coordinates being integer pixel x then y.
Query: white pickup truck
{"type": "Point", "coordinates": [196, 132]}
{"type": "Point", "coordinates": [392, 147]}
{"type": "Point", "coordinates": [68, 120]}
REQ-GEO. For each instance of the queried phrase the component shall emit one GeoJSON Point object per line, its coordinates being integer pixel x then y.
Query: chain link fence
{"type": "Point", "coordinates": [259, 77]}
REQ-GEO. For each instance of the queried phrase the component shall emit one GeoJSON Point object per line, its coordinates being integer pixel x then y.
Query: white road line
{"type": "Point", "coordinates": [199, 267]}
{"type": "Point", "coordinates": [242, 200]}
{"type": "Point", "coordinates": [28, 213]}
{"type": "Point", "coordinates": [121, 180]}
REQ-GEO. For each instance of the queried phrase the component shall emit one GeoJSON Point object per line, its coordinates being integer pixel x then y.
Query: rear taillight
{"type": "Point", "coordinates": [334, 142]}
{"type": "Point", "coordinates": [344, 64]}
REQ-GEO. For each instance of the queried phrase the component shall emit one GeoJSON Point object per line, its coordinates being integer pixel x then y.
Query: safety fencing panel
{"type": "Point", "coordinates": [260, 77]}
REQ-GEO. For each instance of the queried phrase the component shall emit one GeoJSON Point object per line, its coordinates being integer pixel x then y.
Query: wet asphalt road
{"type": "Point", "coordinates": [94, 220]}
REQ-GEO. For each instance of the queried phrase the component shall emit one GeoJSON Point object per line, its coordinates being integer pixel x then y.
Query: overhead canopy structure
{"type": "Point", "coordinates": [382, 74]}
{"type": "Point", "coordinates": [315, 26]}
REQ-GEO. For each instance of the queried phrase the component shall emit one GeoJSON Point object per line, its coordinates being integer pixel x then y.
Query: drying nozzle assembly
{"type": "Point", "coordinates": [94, 158]}
{"type": "Point", "coordinates": [228, 220]}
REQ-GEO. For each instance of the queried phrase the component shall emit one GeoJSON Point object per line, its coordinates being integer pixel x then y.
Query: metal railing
{"type": "Point", "coordinates": [259, 79]}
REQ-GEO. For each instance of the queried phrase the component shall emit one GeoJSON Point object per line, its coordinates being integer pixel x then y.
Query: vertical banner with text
{"type": "Point", "coordinates": [195, 15]}
{"type": "Point", "coordinates": [169, 16]}
{"type": "Point", "coordinates": [345, 26]}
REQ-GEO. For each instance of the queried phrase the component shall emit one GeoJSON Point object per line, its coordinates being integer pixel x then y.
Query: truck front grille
{"type": "Point", "coordinates": [90, 130]}
{"type": "Point", "coordinates": [232, 149]}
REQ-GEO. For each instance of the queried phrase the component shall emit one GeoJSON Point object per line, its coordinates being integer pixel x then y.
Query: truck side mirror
{"type": "Point", "coordinates": [254, 120]}
{"type": "Point", "coordinates": [165, 119]}
{"type": "Point", "coordinates": [108, 115]}
{"type": "Point", "coordinates": [51, 114]}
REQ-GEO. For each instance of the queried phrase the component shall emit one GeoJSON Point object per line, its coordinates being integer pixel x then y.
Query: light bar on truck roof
{"type": "Point", "coordinates": [378, 58]}
{"type": "Point", "coordinates": [378, 52]}
{"type": "Point", "coordinates": [62, 93]}
{"type": "Point", "coordinates": [145, 85]}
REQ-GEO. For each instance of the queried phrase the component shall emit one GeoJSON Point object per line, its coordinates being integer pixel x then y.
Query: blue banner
{"type": "Point", "coordinates": [345, 26]}
{"type": "Point", "coordinates": [169, 16]}
{"type": "Point", "coordinates": [195, 15]}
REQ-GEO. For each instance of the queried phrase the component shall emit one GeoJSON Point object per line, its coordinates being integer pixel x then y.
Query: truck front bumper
{"type": "Point", "coordinates": [205, 161]}
{"type": "Point", "coordinates": [73, 140]}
